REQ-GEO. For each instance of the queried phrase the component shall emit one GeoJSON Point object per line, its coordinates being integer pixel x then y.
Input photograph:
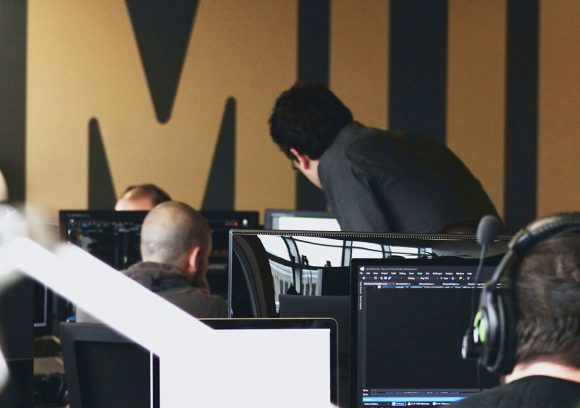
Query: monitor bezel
{"type": "Point", "coordinates": [354, 266]}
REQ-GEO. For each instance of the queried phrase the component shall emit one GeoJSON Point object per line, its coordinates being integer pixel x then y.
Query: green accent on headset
{"type": "Point", "coordinates": [480, 324]}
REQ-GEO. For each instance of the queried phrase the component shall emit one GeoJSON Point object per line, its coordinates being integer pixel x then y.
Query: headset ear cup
{"type": "Point", "coordinates": [507, 323]}
{"type": "Point", "coordinates": [492, 308]}
{"type": "Point", "coordinates": [488, 330]}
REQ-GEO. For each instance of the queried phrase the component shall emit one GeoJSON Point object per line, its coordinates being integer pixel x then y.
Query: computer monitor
{"type": "Point", "coordinates": [104, 369]}
{"type": "Point", "coordinates": [112, 236]}
{"type": "Point", "coordinates": [409, 317]}
{"type": "Point", "coordinates": [265, 264]}
{"type": "Point", "coordinates": [42, 301]}
{"type": "Point", "coordinates": [115, 237]}
{"type": "Point", "coordinates": [221, 222]}
{"type": "Point", "coordinates": [300, 220]}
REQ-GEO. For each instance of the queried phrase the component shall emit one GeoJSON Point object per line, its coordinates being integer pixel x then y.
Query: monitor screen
{"type": "Point", "coordinates": [409, 317]}
{"type": "Point", "coordinates": [301, 220]}
{"type": "Point", "coordinates": [112, 236]}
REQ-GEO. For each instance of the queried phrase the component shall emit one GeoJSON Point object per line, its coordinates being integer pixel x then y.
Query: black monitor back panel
{"type": "Point", "coordinates": [104, 369]}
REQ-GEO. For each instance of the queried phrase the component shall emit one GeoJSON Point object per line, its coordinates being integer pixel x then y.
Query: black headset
{"type": "Point", "coordinates": [492, 338]}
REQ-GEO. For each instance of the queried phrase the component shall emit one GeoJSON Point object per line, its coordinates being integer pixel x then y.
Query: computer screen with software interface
{"type": "Point", "coordinates": [409, 318]}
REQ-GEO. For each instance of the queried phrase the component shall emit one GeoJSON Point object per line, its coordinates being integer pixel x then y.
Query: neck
{"type": "Point", "coordinates": [544, 367]}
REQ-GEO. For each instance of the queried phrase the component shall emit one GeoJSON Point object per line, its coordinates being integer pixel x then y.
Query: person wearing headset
{"type": "Point", "coordinates": [528, 328]}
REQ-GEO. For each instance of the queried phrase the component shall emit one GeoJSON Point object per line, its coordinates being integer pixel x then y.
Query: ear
{"type": "Point", "coordinates": [302, 159]}
{"type": "Point", "coordinates": [193, 262]}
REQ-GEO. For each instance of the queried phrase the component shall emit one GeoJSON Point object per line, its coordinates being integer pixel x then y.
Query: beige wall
{"type": "Point", "coordinates": [359, 58]}
{"type": "Point", "coordinates": [476, 89]}
{"type": "Point", "coordinates": [559, 104]}
{"type": "Point", "coordinates": [83, 63]}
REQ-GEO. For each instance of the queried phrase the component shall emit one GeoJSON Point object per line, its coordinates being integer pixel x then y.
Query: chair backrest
{"type": "Point", "coordinates": [104, 369]}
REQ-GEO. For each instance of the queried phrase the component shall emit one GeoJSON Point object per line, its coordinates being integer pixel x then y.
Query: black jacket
{"type": "Point", "coordinates": [529, 392]}
{"type": "Point", "coordinates": [406, 182]}
{"type": "Point", "coordinates": [172, 285]}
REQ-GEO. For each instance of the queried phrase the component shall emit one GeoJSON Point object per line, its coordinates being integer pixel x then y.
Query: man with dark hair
{"type": "Point", "coordinates": [175, 247]}
{"type": "Point", "coordinates": [375, 180]}
{"type": "Point", "coordinates": [547, 298]}
{"type": "Point", "coordinates": [141, 197]}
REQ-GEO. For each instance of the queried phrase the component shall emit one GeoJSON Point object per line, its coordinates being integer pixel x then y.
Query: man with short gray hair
{"type": "Point", "coordinates": [175, 246]}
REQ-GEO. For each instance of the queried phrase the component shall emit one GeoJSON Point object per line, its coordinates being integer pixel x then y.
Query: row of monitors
{"type": "Point", "coordinates": [114, 238]}
{"type": "Point", "coordinates": [400, 327]}
{"type": "Point", "coordinates": [401, 324]}
{"type": "Point", "coordinates": [402, 302]}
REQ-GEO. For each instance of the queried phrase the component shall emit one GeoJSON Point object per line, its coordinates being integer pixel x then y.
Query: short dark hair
{"type": "Point", "coordinates": [307, 117]}
{"type": "Point", "coordinates": [156, 194]}
{"type": "Point", "coordinates": [548, 301]}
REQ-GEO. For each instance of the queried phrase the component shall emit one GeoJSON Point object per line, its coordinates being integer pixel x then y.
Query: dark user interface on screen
{"type": "Point", "coordinates": [411, 320]}
{"type": "Point", "coordinates": [112, 237]}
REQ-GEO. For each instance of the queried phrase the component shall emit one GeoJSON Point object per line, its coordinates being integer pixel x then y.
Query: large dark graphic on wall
{"type": "Point", "coordinates": [521, 145]}
{"type": "Point", "coordinates": [162, 30]}
{"type": "Point", "coordinates": [313, 65]}
{"type": "Point", "coordinates": [417, 74]}
{"type": "Point", "coordinates": [220, 188]}
{"type": "Point", "coordinates": [418, 66]}
{"type": "Point", "coordinates": [101, 191]}
{"type": "Point", "coordinates": [13, 96]}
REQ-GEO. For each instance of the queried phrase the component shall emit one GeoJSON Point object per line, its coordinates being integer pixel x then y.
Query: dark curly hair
{"type": "Point", "coordinates": [548, 301]}
{"type": "Point", "coordinates": [307, 117]}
